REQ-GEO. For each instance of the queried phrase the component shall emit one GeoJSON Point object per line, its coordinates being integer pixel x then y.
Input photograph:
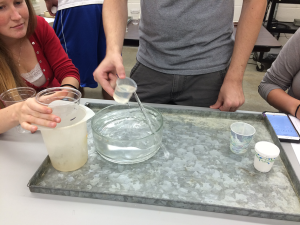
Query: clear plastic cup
{"type": "Point", "coordinates": [135, 13]}
{"type": "Point", "coordinates": [124, 90]}
{"type": "Point", "coordinates": [16, 95]}
{"type": "Point", "coordinates": [63, 101]}
{"type": "Point", "coordinates": [241, 136]}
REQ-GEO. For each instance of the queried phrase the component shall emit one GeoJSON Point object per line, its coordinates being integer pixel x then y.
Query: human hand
{"type": "Point", "coordinates": [231, 96]}
{"type": "Point", "coordinates": [30, 111]}
{"type": "Point", "coordinates": [108, 71]}
{"type": "Point", "coordinates": [50, 4]}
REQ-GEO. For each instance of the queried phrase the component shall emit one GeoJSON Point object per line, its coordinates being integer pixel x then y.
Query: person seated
{"type": "Point", "coordinates": [283, 75]}
{"type": "Point", "coordinates": [30, 55]}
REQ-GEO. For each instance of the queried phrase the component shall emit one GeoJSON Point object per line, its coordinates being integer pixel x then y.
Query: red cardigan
{"type": "Point", "coordinates": [51, 56]}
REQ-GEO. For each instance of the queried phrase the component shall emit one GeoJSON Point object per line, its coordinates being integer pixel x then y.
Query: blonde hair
{"type": "Point", "coordinates": [9, 73]}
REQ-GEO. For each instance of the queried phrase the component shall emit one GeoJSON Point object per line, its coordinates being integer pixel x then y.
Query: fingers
{"type": "Point", "coordinates": [227, 105]}
{"type": "Point", "coordinates": [109, 84]}
{"type": "Point", "coordinates": [120, 70]}
{"type": "Point", "coordinates": [32, 112]}
{"type": "Point", "coordinates": [105, 74]}
{"type": "Point", "coordinates": [32, 105]}
{"type": "Point", "coordinates": [230, 106]}
{"type": "Point", "coordinates": [217, 105]}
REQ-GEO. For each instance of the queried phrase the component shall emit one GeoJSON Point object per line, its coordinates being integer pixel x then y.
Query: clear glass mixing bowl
{"type": "Point", "coordinates": [121, 133]}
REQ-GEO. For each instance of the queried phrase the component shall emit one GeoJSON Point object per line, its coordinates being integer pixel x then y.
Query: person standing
{"type": "Point", "coordinates": [187, 53]}
{"type": "Point", "coordinates": [78, 25]}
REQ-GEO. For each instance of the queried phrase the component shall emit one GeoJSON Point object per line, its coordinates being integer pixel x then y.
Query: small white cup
{"type": "Point", "coordinates": [265, 155]}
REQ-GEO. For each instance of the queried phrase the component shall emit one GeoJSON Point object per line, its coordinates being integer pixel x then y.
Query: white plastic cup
{"type": "Point", "coordinates": [124, 90]}
{"type": "Point", "coordinates": [241, 136]}
{"type": "Point", "coordinates": [265, 155]}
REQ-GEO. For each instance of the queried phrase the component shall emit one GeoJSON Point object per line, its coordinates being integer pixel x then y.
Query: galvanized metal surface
{"type": "Point", "coordinates": [202, 173]}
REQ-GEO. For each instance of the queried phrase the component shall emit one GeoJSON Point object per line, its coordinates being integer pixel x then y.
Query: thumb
{"type": "Point", "coordinates": [217, 105]}
{"type": "Point", "coordinates": [120, 71]}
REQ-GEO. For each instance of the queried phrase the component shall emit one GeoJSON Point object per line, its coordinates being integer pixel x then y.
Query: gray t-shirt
{"type": "Point", "coordinates": [285, 71]}
{"type": "Point", "coordinates": [186, 37]}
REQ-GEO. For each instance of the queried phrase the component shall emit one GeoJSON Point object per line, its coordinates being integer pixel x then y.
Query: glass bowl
{"type": "Point", "coordinates": [121, 133]}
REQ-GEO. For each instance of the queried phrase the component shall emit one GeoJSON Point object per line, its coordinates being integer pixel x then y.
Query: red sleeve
{"type": "Point", "coordinates": [56, 56]}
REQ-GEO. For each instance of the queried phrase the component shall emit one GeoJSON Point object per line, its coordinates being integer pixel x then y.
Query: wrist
{"type": "Point", "coordinates": [16, 111]}
{"type": "Point", "coordinates": [116, 50]}
{"type": "Point", "coordinates": [69, 85]}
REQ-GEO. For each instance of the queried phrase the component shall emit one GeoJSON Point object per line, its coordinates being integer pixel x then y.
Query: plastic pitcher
{"type": "Point", "coordinates": [67, 146]}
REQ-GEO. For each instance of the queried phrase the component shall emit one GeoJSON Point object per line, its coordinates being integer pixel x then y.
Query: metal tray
{"type": "Point", "coordinates": [201, 173]}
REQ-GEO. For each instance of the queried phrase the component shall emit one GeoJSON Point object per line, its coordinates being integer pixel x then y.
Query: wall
{"type": "Point", "coordinates": [133, 5]}
{"type": "Point", "coordinates": [285, 13]}
{"type": "Point", "coordinates": [42, 6]}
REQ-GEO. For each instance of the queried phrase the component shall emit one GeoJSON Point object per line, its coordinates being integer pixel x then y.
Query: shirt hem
{"type": "Point", "coordinates": [184, 72]}
{"type": "Point", "coordinates": [71, 5]}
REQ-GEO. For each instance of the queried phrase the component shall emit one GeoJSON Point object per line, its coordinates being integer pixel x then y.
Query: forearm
{"type": "Point", "coordinates": [8, 118]}
{"type": "Point", "coordinates": [247, 31]}
{"type": "Point", "coordinates": [70, 80]}
{"type": "Point", "coordinates": [114, 23]}
{"type": "Point", "coordinates": [284, 102]}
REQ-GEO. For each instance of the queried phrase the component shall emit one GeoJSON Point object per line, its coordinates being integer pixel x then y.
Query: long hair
{"type": "Point", "coordinates": [10, 76]}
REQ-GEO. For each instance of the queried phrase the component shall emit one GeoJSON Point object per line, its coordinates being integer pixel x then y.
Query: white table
{"type": "Point", "coordinates": [20, 157]}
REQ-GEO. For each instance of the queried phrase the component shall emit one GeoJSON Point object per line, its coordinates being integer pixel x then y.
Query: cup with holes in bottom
{"type": "Point", "coordinates": [241, 136]}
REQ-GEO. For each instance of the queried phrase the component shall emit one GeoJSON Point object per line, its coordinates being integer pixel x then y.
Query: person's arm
{"type": "Point", "coordinates": [25, 113]}
{"type": "Point", "coordinates": [70, 80]}
{"type": "Point", "coordinates": [114, 22]}
{"type": "Point", "coordinates": [231, 95]}
{"type": "Point", "coordinates": [284, 102]}
{"type": "Point", "coordinates": [280, 77]}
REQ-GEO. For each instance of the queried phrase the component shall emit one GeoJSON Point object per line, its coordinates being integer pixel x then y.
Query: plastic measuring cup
{"type": "Point", "coordinates": [67, 146]}
{"type": "Point", "coordinates": [63, 101]}
{"type": "Point", "coordinates": [124, 90]}
{"type": "Point", "coordinates": [16, 95]}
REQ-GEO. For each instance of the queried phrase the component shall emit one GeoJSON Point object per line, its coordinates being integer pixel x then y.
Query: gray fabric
{"type": "Point", "coordinates": [285, 71]}
{"type": "Point", "coordinates": [157, 87]}
{"type": "Point", "coordinates": [186, 37]}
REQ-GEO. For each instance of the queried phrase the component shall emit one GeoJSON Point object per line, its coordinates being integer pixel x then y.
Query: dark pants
{"type": "Point", "coordinates": [192, 90]}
